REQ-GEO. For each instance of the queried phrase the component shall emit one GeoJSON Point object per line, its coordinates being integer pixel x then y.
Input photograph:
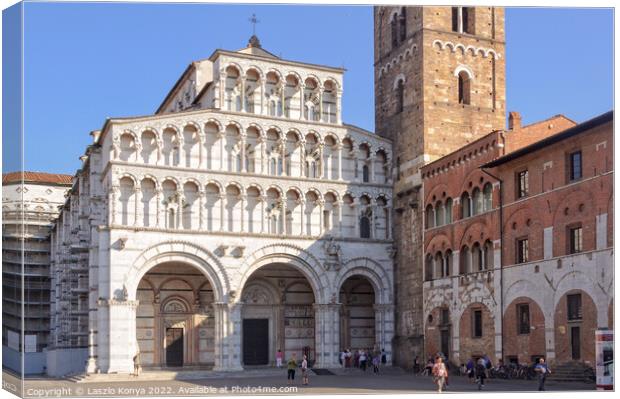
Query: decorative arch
{"type": "Point", "coordinates": [292, 255]}
{"type": "Point", "coordinates": [373, 271]}
{"type": "Point", "coordinates": [397, 79]}
{"type": "Point", "coordinates": [464, 68]}
{"type": "Point", "coordinates": [182, 252]}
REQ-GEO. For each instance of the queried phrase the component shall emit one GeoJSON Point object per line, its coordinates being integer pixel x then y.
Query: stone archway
{"type": "Point", "coordinates": [575, 322]}
{"type": "Point", "coordinates": [477, 333]}
{"type": "Point", "coordinates": [357, 315]}
{"type": "Point", "coordinates": [175, 322]}
{"type": "Point", "coordinates": [278, 313]}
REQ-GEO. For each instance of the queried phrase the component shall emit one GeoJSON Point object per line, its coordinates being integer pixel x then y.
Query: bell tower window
{"type": "Point", "coordinates": [463, 20]}
{"type": "Point", "coordinates": [464, 88]}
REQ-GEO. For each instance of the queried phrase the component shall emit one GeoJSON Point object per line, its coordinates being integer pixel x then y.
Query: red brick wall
{"type": "Point", "coordinates": [587, 326]}
{"type": "Point", "coordinates": [524, 346]}
{"type": "Point", "coordinates": [470, 346]}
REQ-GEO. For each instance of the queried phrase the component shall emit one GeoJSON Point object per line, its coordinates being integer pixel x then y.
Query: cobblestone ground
{"type": "Point", "coordinates": [271, 382]}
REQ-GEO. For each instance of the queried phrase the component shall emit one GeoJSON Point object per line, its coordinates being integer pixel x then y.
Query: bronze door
{"type": "Point", "coordinates": [255, 341]}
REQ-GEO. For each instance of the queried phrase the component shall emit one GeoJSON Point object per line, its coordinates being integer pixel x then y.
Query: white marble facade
{"type": "Point", "coordinates": [243, 197]}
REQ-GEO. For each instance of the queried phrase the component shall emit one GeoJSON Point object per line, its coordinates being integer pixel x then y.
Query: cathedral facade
{"type": "Point", "coordinates": [243, 217]}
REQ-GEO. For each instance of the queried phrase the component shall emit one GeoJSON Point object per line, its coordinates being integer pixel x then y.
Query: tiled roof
{"type": "Point", "coordinates": [36, 177]}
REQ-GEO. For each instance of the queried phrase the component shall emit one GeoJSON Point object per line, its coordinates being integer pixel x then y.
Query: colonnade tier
{"type": "Point", "coordinates": [231, 148]}
{"type": "Point", "coordinates": [252, 209]}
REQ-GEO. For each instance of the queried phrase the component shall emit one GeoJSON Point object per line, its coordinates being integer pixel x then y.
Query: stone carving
{"type": "Point", "coordinates": [174, 307]}
{"type": "Point", "coordinates": [256, 295]}
{"type": "Point", "coordinates": [333, 254]}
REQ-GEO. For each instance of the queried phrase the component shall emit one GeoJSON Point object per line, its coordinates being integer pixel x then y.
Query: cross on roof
{"type": "Point", "coordinates": [253, 20]}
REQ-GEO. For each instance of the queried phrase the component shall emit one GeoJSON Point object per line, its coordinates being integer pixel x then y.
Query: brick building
{"type": "Point", "coordinates": [439, 85]}
{"type": "Point", "coordinates": [518, 243]}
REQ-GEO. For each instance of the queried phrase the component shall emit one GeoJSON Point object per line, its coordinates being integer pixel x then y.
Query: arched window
{"type": "Point", "coordinates": [448, 211]}
{"type": "Point", "coordinates": [430, 217]}
{"type": "Point", "coordinates": [476, 257]}
{"type": "Point", "coordinates": [400, 96]}
{"type": "Point", "coordinates": [464, 88]}
{"type": "Point", "coordinates": [428, 268]}
{"type": "Point", "coordinates": [438, 214]}
{"type": "Point", "coordinates": [464, 261]}
{"type": "Point", "coordinates": [488, 197]}
{"type": "Point", "coordinates": [403, 24]}
{"type": "Point", "coordinates": [365, 177]}
{"type": "Point", "coordinates": [365, 227]}
{"type": "Point", "coordinates": [465, 205]}
{"type": "Point", "coordinates": [488, 255]}
{"type": "Point", "coordinates": [394, 27]}
{"type": "Point", "coordinates": [448, 263]}
{"type": "Point", "coordinates": [439, 265]}
{"type": "Point", "coordinates": [477, 201]}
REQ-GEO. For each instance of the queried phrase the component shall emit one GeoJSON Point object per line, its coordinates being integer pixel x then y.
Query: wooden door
{"type": "Point", "coordinates": [255, 341]}
{"type": "Point", "coordinates": [174, 347]}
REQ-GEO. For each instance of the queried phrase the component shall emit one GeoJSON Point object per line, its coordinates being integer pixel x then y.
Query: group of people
{"type": "Point", "coordinates": [291, 367]}
{"type": "Point", "coordinates": [478, 371]}
{"type": "Point", "coordinates": [363, 359]}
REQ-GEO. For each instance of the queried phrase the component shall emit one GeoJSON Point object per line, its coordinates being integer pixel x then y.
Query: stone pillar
{"type": "Point", "coordinates": [201, 213]}
{"type": "Point", "coordinates": [388, 222]}
{"type": "Point", "coordinates": [339, 148]}
{"type": "Point", "coordinates": [180, 200]}
{"type": "Point", "coordinates": [372, 168]}
{"type": "Point", "coordinates": [221, 136]}
{"type": "Point", "coordinates": [373, 225]}
{"type": "Point", "coordinates": [356, 232]}
{"type": "Point", "coordinates": [263, 155]}
{"type": "Point", "coordinates": [242, 93]}
{"type": "Point", "coordinates": [455, 334]}
{"type": "Point", "coordinates": [137, 209]}
{"type": "Point", "coordinates": [384, 328]}
{"type": "Point", "coordinates": [119, 329]}
{"type": "Point", "coordinates": [243, 155]}
{"type": "Point", "coordinates": [282, 99]}
{"type": "Point", "coordinates": [283, 155]}
{"type": "Point", "coordinates": [321, 206]}
{"type": "Point", "coordinates": [201, 152]}
{"type": "Point", "coordinates": [138, 151]}
{"type": "Point", "coordinates": [339, 107]}
{"type": "Point", "coordinates": [158, 206]}
{"type": "Point", "coordinates": [302, 158]}
{"type": "Point", "coordinates": [261, 84]}
{"type": "Point", "coordinates": [321, 165]}
{"type": "Point", "coordinates": [113, 195]}
{"type": "Point", "coordinates": [327, 335]}
{"type": "Point", "coordinates": [263, 201]}
{"type": "Point", "coordinates": [283, 215]}
{"type": "Point", "coordinates": [339, 208]}
{"type": "Point", "coordinates": [222, 211]}
{"type": "Point", "coordinates": [160, 151]}
{"type": "Point", "coordinates": [222, 93]}
{"type": "Point", "coordinates": [302, 203]}
{"type": "Point", "coordinates": [242, 200]}
{"type": "Point", "coordinates": [320, 104]}
{"type": "Point", "coordinates": [550, 336]}
{"type": "Point", "coordinates": [301, 101]}
{"type": "Point", "coordinates": [227, 336]}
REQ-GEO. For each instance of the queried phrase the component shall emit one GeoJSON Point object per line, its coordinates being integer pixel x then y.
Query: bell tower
{"type": "Point", "coordinates": [439, 85]}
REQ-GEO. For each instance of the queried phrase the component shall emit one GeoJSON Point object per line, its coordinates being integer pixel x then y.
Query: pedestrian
{"type": "Point", "coordinates": [542, 370]}
{"type": "Point", "coordinates": [304, 371]}
{"type": "Point", "coordinates": [375, 364]}
{"type": "Point", "coordinates": [136, 364]}
{"type": "Point", "coordinates": [481, 372]}
{"type": "Point", "coordinates": [439, 373]}
{"type": "Point", "coordinates": [429, 367]}
{"type": "Point", "coordinates": [363, 360]}
{"type": "Point", "coordinates": [292, 366]}
{"type": "Point", "coordinates": [348, 358]}
{"type": "Point", "coordinates": [383, 357]}
{"type": "Point", "coordinates": [279, 357]}
{"type": "Point", "coordinates": [487, 365]}
{"type": "Point", "coordinates": [356, 359]}
{"type": "Point", "coordinates": [343, 358]}
{"type": "Point", "coordinates": [470, 369]}
{"type": "Point", "coordinates": [416, 365]}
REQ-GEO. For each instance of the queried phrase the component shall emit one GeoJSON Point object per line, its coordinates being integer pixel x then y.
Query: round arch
{"type": "Point", "coordinates": [373, 271]}
{"type": "Point", "coordinates": [182, 252]}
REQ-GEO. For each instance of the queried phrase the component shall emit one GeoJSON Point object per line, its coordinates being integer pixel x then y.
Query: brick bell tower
{"type": "Point", "coordinates": [439, 84]}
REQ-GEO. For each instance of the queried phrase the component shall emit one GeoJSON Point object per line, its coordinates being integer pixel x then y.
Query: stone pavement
{"type": "Point", "coordinates": [267, 381]}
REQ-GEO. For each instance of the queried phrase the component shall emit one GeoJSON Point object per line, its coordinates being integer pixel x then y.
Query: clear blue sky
{"type": "Point", "coordinates": [85, 62]}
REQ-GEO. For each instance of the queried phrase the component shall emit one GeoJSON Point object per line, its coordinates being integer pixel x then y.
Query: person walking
{"type": "Point", "coordinates": [471, 370]}
{"type": "Point", "coordinates": [279, 357]}
{"type": "Point", "coordinates": [304, 371]}
{"type": "Point", "coordinates": [343, 358]}
{"type": "Point", "coordinates": [383, 357]}
{"type": "Point", "coordinates": [439, 373]}
{"type": "Point", "coordinates": [291, 367]}
{"type": "Point", "coordinates": [542, 370]}
{"type": "Point", "coordinates": [375, 364]}
{"type": "Point", "coordinates": [363, 360]}
{"type": "Point", "coordinates": [481, 372]}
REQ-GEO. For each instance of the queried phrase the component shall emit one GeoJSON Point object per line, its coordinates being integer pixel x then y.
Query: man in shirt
{"type": "Point", "coordinates": [542, 369]}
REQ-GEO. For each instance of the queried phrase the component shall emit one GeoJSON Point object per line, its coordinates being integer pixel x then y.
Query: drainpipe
{"type": "Point", "coordinates": [501, 255]}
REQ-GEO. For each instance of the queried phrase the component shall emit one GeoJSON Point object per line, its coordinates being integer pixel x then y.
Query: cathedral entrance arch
{"type": "Point", "coordinates": [357, 316]}
{"type": "Point", "coordinates": [175, 324]}
{"type": "Point", "coordinates": [278, 310]}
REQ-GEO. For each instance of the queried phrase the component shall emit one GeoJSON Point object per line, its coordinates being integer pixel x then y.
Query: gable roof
{"type": "Point", "coordinates": [37, 177]}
